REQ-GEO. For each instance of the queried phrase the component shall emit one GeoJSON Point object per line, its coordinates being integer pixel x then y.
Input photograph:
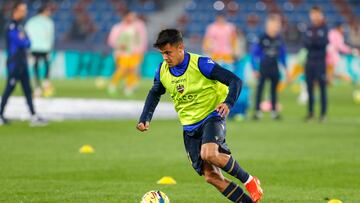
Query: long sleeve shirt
{"type": "Point", "coordinates": [40, 29]}
{"type": "Point", "coordinates": [128, 38]}
{"type": "Point", "coordinates": [336, 46]}
{"type": "Point", "coordinates": [315, 41]}
{"type": "Point", "coordinates": [17, 43]}
{"type": "Point", "coordinates": [266, 54]}
{"type": "Point", "coordinates": [210, 70]}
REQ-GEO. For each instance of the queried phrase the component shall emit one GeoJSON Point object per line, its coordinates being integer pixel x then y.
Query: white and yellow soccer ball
{"type": "Point", "coordinates": [356, 96]}
{"type": "Point", "coordinates": [155, 197]}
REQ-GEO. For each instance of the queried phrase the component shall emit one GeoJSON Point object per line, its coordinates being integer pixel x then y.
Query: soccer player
{"type": "Point", "coordinates": [17, 44]}
{"type": "Point", "coordinates": [40, 30]}
{"type": "Point", "coordinates": [220, 41]}
{"type": "Point", "coordinates": [266, 53]}
{"type": "Point", "coordinates": [336, 47]}
{"type": "Point", "coordinates": [316, 41]}
{"type": "Point", "coordinates": [128, 39]}
{"type": "Point", "coordinates": [197, 86]}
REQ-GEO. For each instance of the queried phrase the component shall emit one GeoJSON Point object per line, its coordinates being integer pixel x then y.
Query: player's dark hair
{"type": "Point", "coordinates": [316, 8]}
{"type": "Point", "coordinates": [16, 5]}
{"type": "Point", "coordinates": [168, 36]}
{"type": "Point", "coordinates": [43, 8]}
{"type": "Point", "coordinates": [274, 16]}
{"type": "Point", "coordinates": [338, 24]}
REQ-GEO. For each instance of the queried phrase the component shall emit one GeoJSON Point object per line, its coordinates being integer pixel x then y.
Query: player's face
{"type": "Point", "coordinates": [220, 19]}
{"type": "Point", "coordinates": [316, 17]}
{"type": "Point", "coordinates": [48, 12]}
{"type": "Point", "coordinates": [173, 54]}
{"type": "Point", "coordinates": [273, 26]}
{"type": "Point", "coordinates": [21, 11]}
{"type": "Point", "coordinates": [130, 17]}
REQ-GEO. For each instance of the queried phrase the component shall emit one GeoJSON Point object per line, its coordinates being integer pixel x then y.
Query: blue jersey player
{"type": "Point", "coordinates": [264, 57]}
{"type": "Point", "coordinates": [17, 44]}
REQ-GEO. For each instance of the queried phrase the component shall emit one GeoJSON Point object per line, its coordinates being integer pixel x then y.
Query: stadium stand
{"type": "Point", "coordinates": [97, 17]}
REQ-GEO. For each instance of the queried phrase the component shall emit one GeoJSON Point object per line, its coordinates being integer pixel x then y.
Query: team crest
{"type": "Point", "coordinates": [180, 88]}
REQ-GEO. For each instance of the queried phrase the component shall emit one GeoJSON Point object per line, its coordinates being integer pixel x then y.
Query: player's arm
{"type": "Point", "coordinates": [19, 38]}
{"type": "Point", "coordinates": [214, 71]}
{"type": "Point", "coordinates": [283, 57]}
{"type": "Point", "coordinates": [150, 105]}
{"type": "Point", "coordinates": [111, 40]}
{"type": "Point", "coordinates": [255, 56]}
{"type": "Point", "coordinates": [321, 41]}
{"type": "Point", "coordinates": [233, 82]}
{"type": "Point", "coordinates": [315, 41]}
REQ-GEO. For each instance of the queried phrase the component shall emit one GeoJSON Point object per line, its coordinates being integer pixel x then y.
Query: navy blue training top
{"type": "Point", "coordinates": [17, 42]}
{"type": "Point", "coordinates": [268, 51]}
{"type": "Point", "coordinates": [315, 41]}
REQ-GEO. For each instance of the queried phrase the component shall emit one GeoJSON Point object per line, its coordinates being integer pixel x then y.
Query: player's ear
{"type": "Point", "coordinates": [181, 46]}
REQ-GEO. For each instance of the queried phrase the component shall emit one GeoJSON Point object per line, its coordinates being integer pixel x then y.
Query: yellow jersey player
{"type": "Point", "coordinates": [202, 92]}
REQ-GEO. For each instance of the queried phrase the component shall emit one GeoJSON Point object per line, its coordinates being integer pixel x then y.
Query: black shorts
{"type": "Point", "coordinates": [212, 130]}
{"type": "Point", "coordinates": [39, 55]}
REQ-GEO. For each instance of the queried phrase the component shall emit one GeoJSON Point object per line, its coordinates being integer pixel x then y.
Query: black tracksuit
{"type": "Point", "coordinates": [315, 41]}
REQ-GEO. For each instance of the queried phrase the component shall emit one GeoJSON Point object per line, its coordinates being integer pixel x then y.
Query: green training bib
{"type": "Point", "coordinates": [194, 95]}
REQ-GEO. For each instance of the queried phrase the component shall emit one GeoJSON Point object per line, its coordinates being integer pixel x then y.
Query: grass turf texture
{"type": "Point", "coordinates": [296, 161]}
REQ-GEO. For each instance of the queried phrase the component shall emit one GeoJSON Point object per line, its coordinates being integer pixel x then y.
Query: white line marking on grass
{"type": "Point", "coordinates": [74, 108]}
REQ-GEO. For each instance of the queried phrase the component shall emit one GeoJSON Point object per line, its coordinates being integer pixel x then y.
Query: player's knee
{"type": "Point", "coordinates": [212, 177]}
{"type": "Point", "coordinates": [209, 156]}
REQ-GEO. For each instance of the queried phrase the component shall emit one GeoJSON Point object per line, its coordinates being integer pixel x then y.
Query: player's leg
{"type": "Point", "coordinates": [25, 83]}
{"type": "Point", "coordinates": [323, 95]}
{"type": "Point", "coordinates": [259, 92]}
{"type": "Point", "coordinates": [36, 69]}
{"type": "Point", "coordinates": [310, 91]}
{"type": "Point", "coordinates": [38, 90]}
{"type": "Point", "coordinates": [48, 88]}
{"type": "Point", "coordinates": [230, 190]}
{"type": "Point", "coordinates": [132, 76]}
{"type": "Point", "coordinates": [9, 88]}
{"type": "Point", "coordinates": [274, 83]}
{"type": "Point", "coordinates": [46, 59]}
{"type": "Point", "coordinates": [214, 150]}
{"type": "Point", "coordinates": [120, 62]}
{"type": "Point", "coordinates": [210, 153]}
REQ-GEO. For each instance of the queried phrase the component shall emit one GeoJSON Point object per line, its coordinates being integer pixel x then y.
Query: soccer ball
{"type": "Point", "coordinates": [356, 96]}
{"type": "Point", "coordinates": [155, 197]}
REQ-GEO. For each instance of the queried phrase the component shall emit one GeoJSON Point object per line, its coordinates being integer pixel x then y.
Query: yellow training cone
{"type": "Point", "coordinates": [166, 180]}
{"type": "Point", "coordinates": [334, 201]}
{"type": "Point", "coordinates": [86, 149]}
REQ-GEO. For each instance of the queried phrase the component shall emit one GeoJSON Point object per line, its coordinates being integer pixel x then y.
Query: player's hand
{"type": "Point", "coordinates": [287, 76]}
{"type": "Point", "coordinates": [256, 74]}
{"type": "Point", "coordinates": [21, 35]}
{"type": "Point", "coordinates": [143, 126]}
{"type": "Point", "coordinates": [223, 109]}
{"type": "Point", "coordinates": [355, 52]}
{"type": "Point", "coordinates": [329, 80]}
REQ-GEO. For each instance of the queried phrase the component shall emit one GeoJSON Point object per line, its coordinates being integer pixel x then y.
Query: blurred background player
{"type": "Point", "coordinates": [239, 110]}
{"type": "Point", "coordinates": [40, 29]}
{"type": "Point", "coordinates": [220, 41]}
{"type": "Point", "coordinates": [202, 92]}
{"type": "Point", "coordinates": [17, 44]}
{"type": "Point", "coordinates": [336, 47]}
{"type": "Point", "coordinates": [265, 56]}
{"type": "Point", "coordinates": [129, 41]}
{"type": "Point", "coordinates": [316, 41]}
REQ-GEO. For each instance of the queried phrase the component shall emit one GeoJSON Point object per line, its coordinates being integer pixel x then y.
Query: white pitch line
{"type": "Point", "coordinates": [75, 108]}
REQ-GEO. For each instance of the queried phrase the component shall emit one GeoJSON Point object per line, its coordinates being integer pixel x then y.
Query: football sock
{"type": "Point", "coordinates": [234, 193]}
{"type": "Point", "coordinates": [234, 169]}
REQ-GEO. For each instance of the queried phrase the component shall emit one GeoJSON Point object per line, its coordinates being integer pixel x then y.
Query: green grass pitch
{"type": "Point", "coordinates": [296, 161]}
